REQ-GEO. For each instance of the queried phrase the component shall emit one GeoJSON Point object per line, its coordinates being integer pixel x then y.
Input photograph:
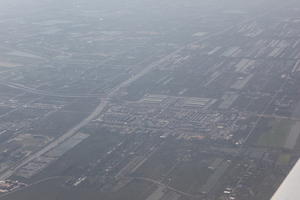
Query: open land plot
{"type": "Point", "coordinates": [293, 136]}
{"type": "Point", "coordinates": [26, 98]}
{"type": "Point", "coordinates": [158, 164]}
{"type": "Point", "coordinates": [82, 105]}
{"type": "Point", "coordinates": [24, 114]}
{"type": "Point", "coordinates": [258, 104]}
{"type": "Point", "coordinates": [277, 134]}
{"type": "Point", "coordinates": [135, 190]}
{"type": "Point", "coordinates": [4, 89]}
{"type": "Point", "coordinates": [284, 159]}
{"type": "Point", "coordinates": [42, 162]}
{"type": "Point", "coordinates": [189, 176]}
{"type": "Point", "coordinates": [4, 110]}
{"type": "Point", "coordinates": [78, 159]}
{"type": "Point", "coordinates": [57, 123]}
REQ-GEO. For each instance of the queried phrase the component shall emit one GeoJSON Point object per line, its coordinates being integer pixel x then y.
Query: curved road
{"type": "Point", "coordinates": [9, 172]}
{"type": "Point", "coordinates": [84, 122]}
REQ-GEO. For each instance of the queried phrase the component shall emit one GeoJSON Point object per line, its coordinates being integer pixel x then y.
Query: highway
{"type": "Point", "coordinates": [104, 102]}
{"type": "Point", "coordinates": [59, 140]}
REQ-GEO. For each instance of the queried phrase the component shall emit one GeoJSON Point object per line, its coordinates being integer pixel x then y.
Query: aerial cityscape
{"type": "Point", "coordinates": [148, 99]}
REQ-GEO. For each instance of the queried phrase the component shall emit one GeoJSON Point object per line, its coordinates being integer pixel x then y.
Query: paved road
{"type": "Point", "coordinates": [166, 186]}
{"type": "Point", "coordinates": [43, 93]}
{"type": "Point", "coordinates": [278, 117]}
{"type": "Point", "coordinates": [59, 140]}
{"type": "Point", "coordinates": [9, 172]}
{"type": "Point", "coordinates": [84, 122]}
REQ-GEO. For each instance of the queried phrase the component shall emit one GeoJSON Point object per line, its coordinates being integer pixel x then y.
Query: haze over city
{"type": "Point", "coordinates": [149, 99]}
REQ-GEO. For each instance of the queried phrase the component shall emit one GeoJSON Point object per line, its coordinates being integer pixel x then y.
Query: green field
{"type": "Point", "coordinates": [277, 133]}
{"type": "Point", "coordinates": [284, 159]}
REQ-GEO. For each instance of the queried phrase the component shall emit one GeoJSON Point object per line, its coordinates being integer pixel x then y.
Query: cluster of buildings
{"type": "Point", "coordinates": [182, 117]}
{"type": "Point", "coordinates": [9, 185]}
